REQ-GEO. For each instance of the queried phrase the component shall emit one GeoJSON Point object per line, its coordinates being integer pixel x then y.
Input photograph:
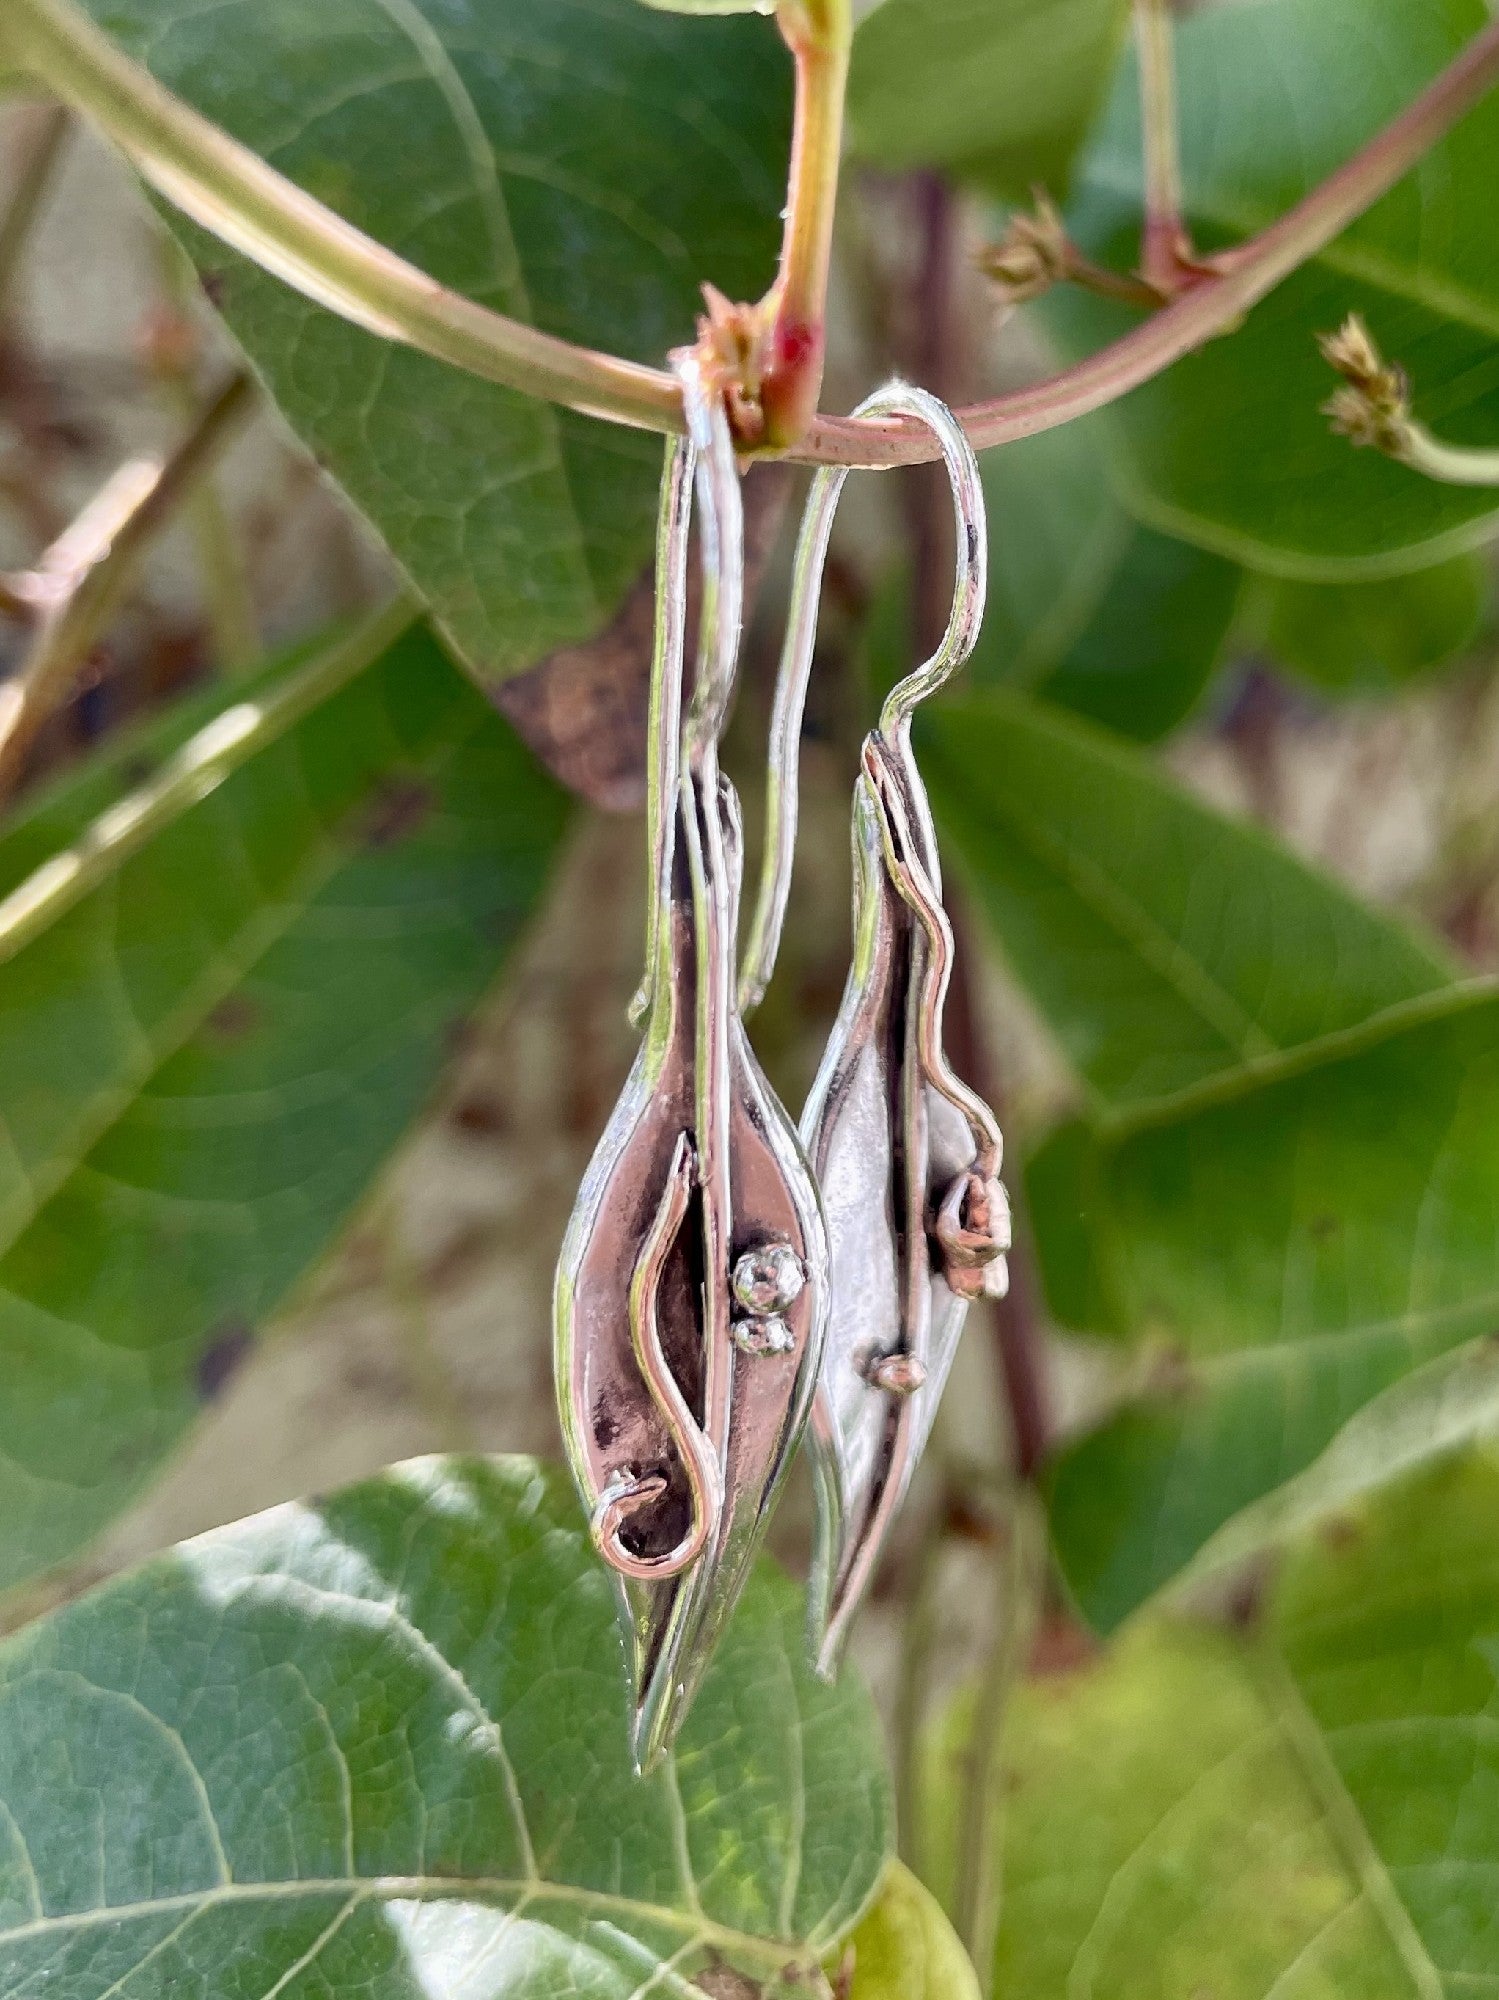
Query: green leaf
{"type": "Point", "coordinates": [1086, 606]}
{"type": "Point", "coordinates": [1229, 447]}
{"type": "Point", "coordinates": [712, 6]}
{"type": "Point", "coordinates": [1368, 638]}
{"type": "Point", "coordinates": [582, 165]}
{"type": "Point", "coordinates": [1304, 1808]}
{"type": "Point", "coordinates": [219, 1020]}
{"type": "Point", "coordinates": [1163, 943]}
{"type": "Point", "coordinates": [1000, 89]}
{"type": "Point", "coordinates": [375, 1746]}
{"type": "Point", "coordinates": [1429, 1415]}
{"type": "Point", "coordinates": [1288, 1247]}
{"type": "Point", "coordinates": [905, 1949]}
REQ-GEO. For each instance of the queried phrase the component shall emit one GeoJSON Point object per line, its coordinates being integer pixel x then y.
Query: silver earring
{"type": "Point", "coordinates": [691, 1294]}
{"type": "Point", "coordinates": [906, 1156]}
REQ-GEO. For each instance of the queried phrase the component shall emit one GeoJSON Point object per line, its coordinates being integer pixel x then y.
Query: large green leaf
{"type": "Point", "coordinates": [1001, 89]}
{"type": "Point", "coordinates": [1163, 943]}
{"type": "Point", "coordinates": [215, 1029]}
{"type": "Point", "coordinates": [1306, 1808]}
{"type": "Point", "coordinates": [1368, 638]}
{"type": "Point", "coordinates": [1287, 1247]}
{"type": "Point", "coordinates": [376, 1746]}
{"type": "Point", "coordinates": [1086, 606]}
{"type": "Point", "coordinates": [580, 164]}
{"type": "Point", "coordinates": [1229, 447]}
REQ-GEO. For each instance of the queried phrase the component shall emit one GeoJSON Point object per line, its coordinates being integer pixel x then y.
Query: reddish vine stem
{"type": "Point", "coordinates": [239, 197]}
{"type": "Point", "coordinates": [1209, 308]}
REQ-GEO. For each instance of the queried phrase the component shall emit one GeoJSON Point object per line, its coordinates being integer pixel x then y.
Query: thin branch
{"type": "Point", "coordinates": [1036, 253]}
{"type": "Point", "coordinates": [237, 196]}
{"type": "Point", "coordinates": [820, 35]}
{"type": "Point", "coordinates": [1208, 309]}
{"type": "Point", "coordinates": [913, 1690]}
{"type": "Point", "coordinates": [1020, 1582]}
{"type": "Point", "coordinates": [203, 762]}
{"type": "Point", "coordinates": [1373, 410]}
{"type": "Point", "coordinates": [1450, 464]}
{"type": "Point", "coordinates": [40, 150]}
{"type": "Point", "coordinates": [767, 358]}
{"type": "Point", "coordinates": [172, 347]}
{"type": "Point", "coordinates": [77, 585]}
{"type": "Point", "coordinates": [1165, 248]}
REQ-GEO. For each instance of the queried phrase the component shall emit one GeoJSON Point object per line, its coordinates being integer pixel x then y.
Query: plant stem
{"type": "Point", "coordinates": [232, 192]}
{"type": "Point", "coordinates": [203, 762]}
{"type": "Point", "coordinates": [820, 35]}
{"type": "Point", "coordinates": [237, 196]}
{"type": "Point", "coordinates": [1452, 464]}
{"type": "Point", "coordinates": [917, 1645]}
{"type": "Point", "coordinates": [975, 1900]}
{"type": "Point", "coordinates": [78, 583]}
{"type": "Point", "coordinates": [41, 149]}
{"type": "Point", "coordinates": [226, 586]}
{"type": "Point", "coordinates": [1208, 308]}
{"type": "Point", "coordinates": [1165, 249]}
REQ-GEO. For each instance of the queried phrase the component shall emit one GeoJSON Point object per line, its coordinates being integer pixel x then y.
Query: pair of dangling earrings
{"type": "Point", "coordinates": [727, 1282]}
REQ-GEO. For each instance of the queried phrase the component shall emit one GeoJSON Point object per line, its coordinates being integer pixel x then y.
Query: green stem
{"type": "Point", "coordinates": [79, 583]}
{"type": "Point", "coordinates": [227, 596]}
{"type": "Point", "coordinates": [203, 762]}
{"type": "Point", "coordinates": [918, 1640]}
{"type": "Point", "coordinates": [231, 192]}
{"type": "Point", "coordinates": [1452, 464]}
{"type": "Point", "coordinates": [41, 150]}
{"type": "Point", "coordinates": [820, 36]}
{"type": "Point", "coordinates": [976, 1897]}
{"type": "Point", "coordinates": [1165, 245]}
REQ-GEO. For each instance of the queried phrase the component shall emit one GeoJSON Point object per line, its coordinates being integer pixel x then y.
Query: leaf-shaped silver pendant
{"type": "Point", "coordinates": [906, 1156]}
{"type": "Point", "coordinates": [691, 1293]}
{"type": "Point", "coordinates": [691, 1298]}
{"type": "Point", "coordinates": [907, 1159]}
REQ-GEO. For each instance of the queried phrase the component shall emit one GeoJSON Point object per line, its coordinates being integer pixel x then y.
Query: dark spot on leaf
{"type": "Point", "coordinates": [482, 1115]}
{"type": "Point", "coordinates": [584, 708]}
{"type": "Point", "coordinates": [233, 1018]}
{"type": "Point", "coordinates": [397, 811]}
{"type": "Point", "coordinates": [459, 1035]}
{"type": "Point", "coordinates": [1063, 1645]}
{"type": "Point", "coordinates": [213, 283]}
{"type": "Point", "coordinates": [722, 1982]}
{"type": "Point", "coordinates": [220, 1360]}
{"type": "Point", "coordinates": [1247, 1598]}
{"type": "Point", "coordinates": [1323, 1226]}
{"type": "Point", "coordinates": [1171, 1373]}
{"type": "Point", "coordinates": [1340, 1533]}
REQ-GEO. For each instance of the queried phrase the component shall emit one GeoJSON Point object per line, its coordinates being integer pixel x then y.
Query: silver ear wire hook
{"type": "Point", "coordinates": [692, 1287]}
{"type": "Point", "coordinates": [969, 590]}
{"type": "Point", "coordinates": [906, 1155]}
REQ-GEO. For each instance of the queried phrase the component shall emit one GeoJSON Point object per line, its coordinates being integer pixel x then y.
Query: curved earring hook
{"type": "Point", "coordinates": [722, 547]}
{"type": "Point", "coordinates": [703, 460]}
{"type": "Point", "coordinates": [970, 587]}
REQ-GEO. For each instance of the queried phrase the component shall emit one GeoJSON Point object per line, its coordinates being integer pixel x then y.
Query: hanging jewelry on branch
{"type": "Point", "coordinates": [691, 1294]}
{"type": "Point", "coordinates": [907, 1157]}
